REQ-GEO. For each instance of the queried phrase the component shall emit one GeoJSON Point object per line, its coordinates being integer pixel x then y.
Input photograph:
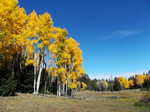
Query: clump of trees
{"type": "Point", "coordinates": [36, 56]}
{"type": "Point", "coordinates": [118, 83]}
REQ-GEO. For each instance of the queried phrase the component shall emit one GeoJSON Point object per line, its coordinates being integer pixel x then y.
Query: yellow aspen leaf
{"type": "Point", "coordinates": [29, 62]}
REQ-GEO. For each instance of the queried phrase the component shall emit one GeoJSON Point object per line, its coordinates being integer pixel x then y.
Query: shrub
{"type": "Point", "coordinates": [145, 101]}
{"type": "Point", "coordinates": [9, 88]}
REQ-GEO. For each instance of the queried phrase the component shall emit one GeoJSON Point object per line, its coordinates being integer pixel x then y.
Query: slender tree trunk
{"type": "Point", "coordinates": [40, 67]}
{"type": "Point", "coordinates": [58, 88]}
{"type": "Point", "coordinates": [38, 80]}
{"type": "Point", "coordinates": [36, 59]}
{"type": "Point", "coordinates": [34, 87]}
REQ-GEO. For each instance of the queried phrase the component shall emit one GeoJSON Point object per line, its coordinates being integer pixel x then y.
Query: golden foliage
{"type": "Point", "coordinates": [124, 82]}
{"type": "Point", "coordinates": [139, 79]}
{"type": "Point", "coordinates": [28, 34]}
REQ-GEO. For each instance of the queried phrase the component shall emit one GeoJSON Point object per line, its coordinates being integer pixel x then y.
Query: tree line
{"type": "Point", "coordinates": [35, 55]}
{"type": "Point", "coordinates": [141, 81]}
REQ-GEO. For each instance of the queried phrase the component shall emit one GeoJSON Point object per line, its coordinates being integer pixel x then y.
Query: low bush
{"type": "Point", "coordinates": [144, 101]}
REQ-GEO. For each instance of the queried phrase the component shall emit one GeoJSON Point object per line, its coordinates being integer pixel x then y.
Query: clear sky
{"type": "Point", "coordinates": [114, 34]}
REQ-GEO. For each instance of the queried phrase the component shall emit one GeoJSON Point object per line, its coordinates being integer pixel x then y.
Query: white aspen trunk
{"type": "Point", "coordinates": [38, 80]}
{"type": "Point", "coordinates": [59, 90]}
{"type": "Point", "coordinates": [73, 92]}
{"type": "Point", "coordinates": [36, 60]}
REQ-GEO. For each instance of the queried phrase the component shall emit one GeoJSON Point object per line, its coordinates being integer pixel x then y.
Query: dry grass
{"type": "Point", "coordinates": [86, 101]}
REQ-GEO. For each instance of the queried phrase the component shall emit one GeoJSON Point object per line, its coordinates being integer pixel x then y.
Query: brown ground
{"type": "Point", "coordinates": [86, 101]}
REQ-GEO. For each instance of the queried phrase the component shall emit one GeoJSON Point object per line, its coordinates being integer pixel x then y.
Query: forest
{"type": "Point", "coordinates": [36, 56]}
{"type": "Point", "coordinates": [137, 81]}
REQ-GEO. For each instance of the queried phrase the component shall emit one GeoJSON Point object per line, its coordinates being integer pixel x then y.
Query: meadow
{"type": "Point", "coordinates": [86, 101]}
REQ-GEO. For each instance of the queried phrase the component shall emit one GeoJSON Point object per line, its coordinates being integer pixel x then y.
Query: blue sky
{"type": "Point", "coordinates": [114, 34]}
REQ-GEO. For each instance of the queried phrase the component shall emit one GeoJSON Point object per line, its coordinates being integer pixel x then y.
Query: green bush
{"type": "Point", "coordinates": [8, 88]}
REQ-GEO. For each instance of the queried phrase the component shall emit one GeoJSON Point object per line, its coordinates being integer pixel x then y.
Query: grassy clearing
{"type": "Point", "coordinates": [84, 102]}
